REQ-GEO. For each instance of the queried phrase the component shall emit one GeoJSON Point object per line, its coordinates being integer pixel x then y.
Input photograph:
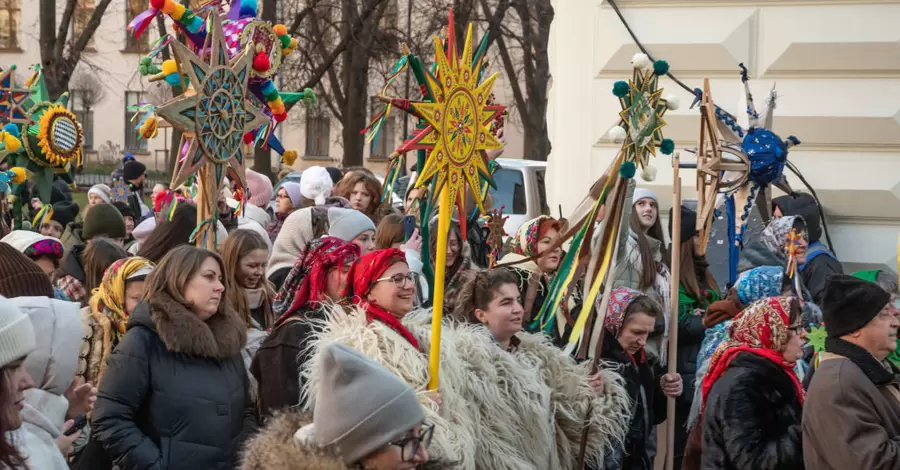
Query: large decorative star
{"type": "Point", "coordinates": [217, 112]}
{"type": "Point", "coordinates": [642, 117]}
{"type": "Point", "coordinates": [458, 121]}
{"type": "Point", "coordinates": [13, 99]}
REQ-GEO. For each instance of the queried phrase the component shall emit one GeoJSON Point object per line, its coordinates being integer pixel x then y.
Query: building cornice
{"type": "Point", "coordinates": [740, 3]}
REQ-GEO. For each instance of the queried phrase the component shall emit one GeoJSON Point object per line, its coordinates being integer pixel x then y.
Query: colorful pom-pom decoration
{"type": "Point", "coordinates": [617, 134]}
{"type": "Point", "coordinates": [280, 30]}
{"type": "Point", "coordinates": [660, 68]}
{"type": "Point", "coordinates": [309, 97]}
{"type": "Point", "coordinates": [11, 143]}
{"type": "Point", "coordinates": [289, 157]}
{"type": "Point", "coordinates": [249, 137]}
{"type": "Point", "coordinates": [667, 146]}
{"type": "Point", "coordinates": [627, 170]}
{"type": "Point", "coordinates": [178, 12]}
{"type": "Point", "coordinates": [20, 175]}
{"type": "Point", "coordinates": [621, 89]}
{"type": "Point", "coordinates": [673, 102]}
{"type": "Point", "coordinates": [280, 117]}
{"type": "Point", "coordinates": [158, 4]}
{"type": "Point", "coordinates": [641, 61]}
{"type": "Point", "coordinates": [648, 174]}
{"type": "Point", "coordinates": [12, 129]}
{"type": "Point", "coordinates": [261, 62]}
{"type": "Point", "coordinates": [149, 127]}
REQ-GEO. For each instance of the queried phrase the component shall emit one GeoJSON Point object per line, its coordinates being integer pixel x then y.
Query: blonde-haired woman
{"type": "Point", "coordinates": [175, 393]}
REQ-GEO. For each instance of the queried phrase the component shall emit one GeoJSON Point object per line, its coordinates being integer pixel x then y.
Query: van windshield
{"type": "Point", "coordinates": [510, 191]}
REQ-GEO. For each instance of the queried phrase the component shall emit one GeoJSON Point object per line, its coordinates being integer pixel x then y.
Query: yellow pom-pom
{"type": "Point", "coordinates": [289, 157]}
{"type": "Point", "coordinates": [169, 7]}
{"type": "Point", "coordinates": [20, 177]}
{"type": "Point", "coordinates": [11, 143]}
{"type": "Point", "coordinates": [279, 30]}
{"type": "Point", "coordinates": [169, 67]}
{"type": "Point", "coordinates": [177, 12]}
{"type": "Point", "coordinates": [149, 128]}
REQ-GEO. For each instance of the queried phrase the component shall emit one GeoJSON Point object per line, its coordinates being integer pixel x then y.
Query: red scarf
{"type": "Point", "coordinates": [374, 312]}
{"type": "Point", "coordinates": [761, 329]}
{"type": "Point", "coordinates": [363, 275]}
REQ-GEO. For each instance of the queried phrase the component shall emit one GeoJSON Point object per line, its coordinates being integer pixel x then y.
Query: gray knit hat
{"type": "Point", "coordinates": [347, 224]}
{"type": "Point", "coordinates": [16, 333]}
{"type": "Point", "coordinates": [360, 406]}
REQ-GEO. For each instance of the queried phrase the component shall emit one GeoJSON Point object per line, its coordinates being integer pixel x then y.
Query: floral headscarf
{"type": "Point", "coordinates": [619, 300]}
{"type": "Point", "coordinates": [761, 329]}
{"type": "Point", "coordinates": [759, 283]}
{"type": "Point", "coordinates": [530, 233]}
{"type": "Point", "coordinates": [363, 275]}
{"type": "Point", "coordinates": [109, 297]}
{"type": "Point", "coordinates": [308, 279]}
{"type": "Point", "coordinates": [774, 236]}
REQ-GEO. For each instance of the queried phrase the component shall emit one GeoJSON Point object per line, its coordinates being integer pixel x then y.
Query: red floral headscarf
{"type": "Point", "coordinates": [531, 232]}
{"type": "Point", "coordinates": [363, 275]}
{"type": "Point", "coordinates": [308, 279]}
{"type": "Point", "coordinates": [761, 329]}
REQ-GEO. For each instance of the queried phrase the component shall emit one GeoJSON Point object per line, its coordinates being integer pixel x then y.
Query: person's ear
{"type": "Point", "coordinates": [481, 315]}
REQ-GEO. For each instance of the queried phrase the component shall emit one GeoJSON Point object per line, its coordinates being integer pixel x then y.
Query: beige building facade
{"type": "Point", "coordinates": [836, 65]}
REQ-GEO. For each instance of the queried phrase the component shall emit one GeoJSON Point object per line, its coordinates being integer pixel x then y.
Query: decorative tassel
{"type": "Point", "coordinates": [43, 215]}
{"type": "Point", "coordinates": [289, 157]}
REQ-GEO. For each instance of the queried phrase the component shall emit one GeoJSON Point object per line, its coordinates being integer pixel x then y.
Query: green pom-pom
{"type": "Point", "coordinates": [621, 89]}
{"type": "Point", "coordinates": [667, 146]}
{"type": "Point", "coordinates": [272, 96]}
{"type": "Point", "coordinates": [143, 70]}
{"type": "Point", "coordinates": [627, 170]}
{"type": "Point", "coordinates": [285, 41]}
{"type": "Point", "coordinates": [309, 96]}
{"type": "Point", "coordinates": [660, 68]}
{"type": "Point", "coordinates": [145, 61]}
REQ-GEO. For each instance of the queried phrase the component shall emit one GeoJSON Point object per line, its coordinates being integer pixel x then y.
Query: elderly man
{"type": "Point", "coordinates": [851, 419]}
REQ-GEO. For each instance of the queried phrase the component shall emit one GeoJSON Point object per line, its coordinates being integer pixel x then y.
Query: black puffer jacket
{"type": "Point", "coordinates": [648, 404]}
{"type": "Point", "coordinates": [175, 392]}
{"type": "Point", "coordinates": [752, 418]}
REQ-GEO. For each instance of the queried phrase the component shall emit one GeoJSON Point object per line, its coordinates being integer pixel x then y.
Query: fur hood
{"type": "Point", "coordinates": [501, 411]}
{"type": "Point", "coordinates": [222, 336]}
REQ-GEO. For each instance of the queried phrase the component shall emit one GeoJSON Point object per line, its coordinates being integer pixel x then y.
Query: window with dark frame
{"type": "Point", "coordinates": [133, 9]}
{"type": "Point", "coordinates": [85, 118]}
{"type": "Point", "coordinates": [10, 16]}
{"type": "Point", "coordinates": [318, 133]}
{"type": "Point", "coordinates": [133, 142]}
{"type": "Point", "coordinates": [83, 11]}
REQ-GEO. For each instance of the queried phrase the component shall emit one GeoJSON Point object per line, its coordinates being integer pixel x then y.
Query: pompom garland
{"type": "Point", "coordinates": [648, 174]}
{"type": "Point", "coordinates": [641, 61]}
{"type": "Point", "coordinates": [627, 170]}
{"type": "Point", "coordinates": [289, 157]}
{"type": "Point", "coordinates": [673, 102]}
{"type": "Point", "coordinates": [667, 146]}
{"type": "Point", "coordinates": [617, 134]}
{"type": "Point", "coordinates": [20, 177]}
{"type": "Point", "coordinates": [660, 68]}
{"type": "Point", "coordinates": [621, 88]}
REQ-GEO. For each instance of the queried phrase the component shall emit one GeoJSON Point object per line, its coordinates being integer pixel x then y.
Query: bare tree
{"type": "Point", "coordinates": [90, 91]}
{"type": "Point", "coordinates": [62, 47]}
{"type": "Point", "coordinates": [523, 49]}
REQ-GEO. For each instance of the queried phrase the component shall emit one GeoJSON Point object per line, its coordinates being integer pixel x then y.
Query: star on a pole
{"type": "Point", "coordinates": [217, 111]}
{"type": "Point", "coordinates": [13, 99]}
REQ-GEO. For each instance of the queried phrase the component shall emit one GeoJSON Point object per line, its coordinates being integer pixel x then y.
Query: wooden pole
{"type": "Point", "coordinates": [673, 312]}
{"type": "Point", "coordinates": [207, 199]}
{"type": "Point", "coordinates": [440, 268]}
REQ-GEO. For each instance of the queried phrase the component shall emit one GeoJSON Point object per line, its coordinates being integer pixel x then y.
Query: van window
{"type": "Point", "coordinates": [510, 191]}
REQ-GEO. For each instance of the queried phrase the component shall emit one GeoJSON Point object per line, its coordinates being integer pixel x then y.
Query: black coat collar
{"type": "Point", "coordinates": [870, 366]}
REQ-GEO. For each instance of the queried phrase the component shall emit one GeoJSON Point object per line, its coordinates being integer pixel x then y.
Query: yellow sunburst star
{"type": "Point", "coordinates": [459, 120]}
{"type": "Point", "coordinates": [217, 112]}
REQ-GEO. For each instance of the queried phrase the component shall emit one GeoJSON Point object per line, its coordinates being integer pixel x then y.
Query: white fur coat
{"type": "Point", "coordinates": [501, 411]}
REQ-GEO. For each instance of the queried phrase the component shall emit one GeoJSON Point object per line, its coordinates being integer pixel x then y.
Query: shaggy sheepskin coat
{"type": "Point", "coordinates": [501, 411]}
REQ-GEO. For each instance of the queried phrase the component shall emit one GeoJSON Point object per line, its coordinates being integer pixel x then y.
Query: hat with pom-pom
{"type": "Point", "coordinates": [316, 184]}
{"type": "Point", "coordinates": [260, 188]}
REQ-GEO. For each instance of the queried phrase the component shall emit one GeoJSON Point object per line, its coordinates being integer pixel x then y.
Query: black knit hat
{"type": "Point", "coordinates": [124, 209]}
{"type": "Point", "coordinates": [688, 224]}
{"type": "Point", "coordinates": [65, 212]}
{"type": "Point", "coordinates": [850, 304]}
{"type": "Point", "coordinates": [21, 277]}
{"type": "Point", "coordinates": [105, 220]}
{"type": "Point", "coordinates": [133, 170]}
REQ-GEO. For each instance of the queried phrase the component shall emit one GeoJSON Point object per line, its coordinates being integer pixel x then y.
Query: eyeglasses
{"type": "Point", "coordinates": [796, 329]}
{"type": "Point", "coordinates": [409, 446]}
{"type": "Point", "coordinates": [400, 278]}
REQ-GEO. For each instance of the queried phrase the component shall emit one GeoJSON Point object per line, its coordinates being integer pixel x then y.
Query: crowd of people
{"type": "Point", "coordinates": [302, 341]}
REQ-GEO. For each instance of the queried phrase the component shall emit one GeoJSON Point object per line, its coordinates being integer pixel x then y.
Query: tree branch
{"type": "Point", "coordinates": [89, 29]}
{"type": "Point", "coordinates": [64, 22]}
{"type": "Point", "coordinates": [47, 14]}
{"type": "Point", "coordinates": [495, 20]}
{"type": "Point", "coordinates": [298, 18]}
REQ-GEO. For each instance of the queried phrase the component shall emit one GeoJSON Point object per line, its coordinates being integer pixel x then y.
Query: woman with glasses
{"type": "Point", "coordinates": [752, 398]}
{"type": "Point", "coordinates": [364, 417]}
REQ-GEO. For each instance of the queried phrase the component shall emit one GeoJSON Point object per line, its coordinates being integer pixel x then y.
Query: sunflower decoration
{"type": "Point", "coordinates": [641, 118]}
{"type": "Point", "coordinates": [459, 122]}
{"type": "Point", "coordinates": [58, 136]}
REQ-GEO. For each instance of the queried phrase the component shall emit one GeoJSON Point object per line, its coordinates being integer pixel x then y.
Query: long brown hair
{"type": "Point", "coordinates": [649, 266]}
{"type": "Point", "coordinates": [239, 244]}
{"type": "Point", "coordinates": [478, 290]}
{"type": "Point", "coordinates": [9, 455]}
{"type": "Point", "coordinates": [690, 279]}
{"type": "Point", "coordinates": [99, 254]}
{"type": "Point", "coordinates": [389, 231]}
{"type": "Point", "coordinates": [373, 187]}
{"type": "Point", "coordinates": [177, 268]}
{"type": "Point", "coordinates": [167, 235]}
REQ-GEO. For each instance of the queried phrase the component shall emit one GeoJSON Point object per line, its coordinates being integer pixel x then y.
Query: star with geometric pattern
{"type": "Point", "coordinates": [13, 99]}
{"type": "Point", "coordinates": [642, 117]}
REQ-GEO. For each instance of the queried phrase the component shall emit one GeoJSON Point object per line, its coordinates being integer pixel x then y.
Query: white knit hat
{"type": "Point", "coordinates": [16, 333]}
{"type": "Point", "coordinates": [315, 184]}
{"type": "Point", "coordinates": [102, 191]}
{"type": "Point", "coordinates": [643, 193]}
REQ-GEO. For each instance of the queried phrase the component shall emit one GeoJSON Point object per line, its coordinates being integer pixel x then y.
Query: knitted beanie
{"type": "Point", "coordinates": [850, 304]}
{"type": "Point", "coordinates": [643, 193]}
{"type": "Point", "coordinates": [315, 184]}
{"type": "Point", "coordinates": [260, 188]}
{"type": "Point", "coordinates": [347, 224]}
{"type": "Point", "coordinates": [21, 277]}
{"type": "Point", "coordinates": [123, 209]}
{"type": "Point", "coordinates": [102, 191]}
{"type": "Point", "coordinates": [16, 333]}
{"type": "Point", "coordinates": [360, 406]}
{"type": "Point", "coordinates": [335, 173]}
{"type": "Point", "coordinates": [33, 244]}
{"type": "Point", "coordinates": [65, 212]}
{"type": "Point", "coordinates": [133, 170]}
{"type": "Point", "coordinates": [688, 224]}
{"type": "Point", "coordinates": [293, 191]}
{"type": "Point", "coordinates": [103, 219]}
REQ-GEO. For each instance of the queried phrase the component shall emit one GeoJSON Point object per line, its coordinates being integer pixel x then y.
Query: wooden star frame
{"type": "Point", "coordinates": [13, 99]}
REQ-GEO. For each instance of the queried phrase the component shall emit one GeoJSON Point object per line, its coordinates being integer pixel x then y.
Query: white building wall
{"type": "Point", "coordinates": [837, 69]}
